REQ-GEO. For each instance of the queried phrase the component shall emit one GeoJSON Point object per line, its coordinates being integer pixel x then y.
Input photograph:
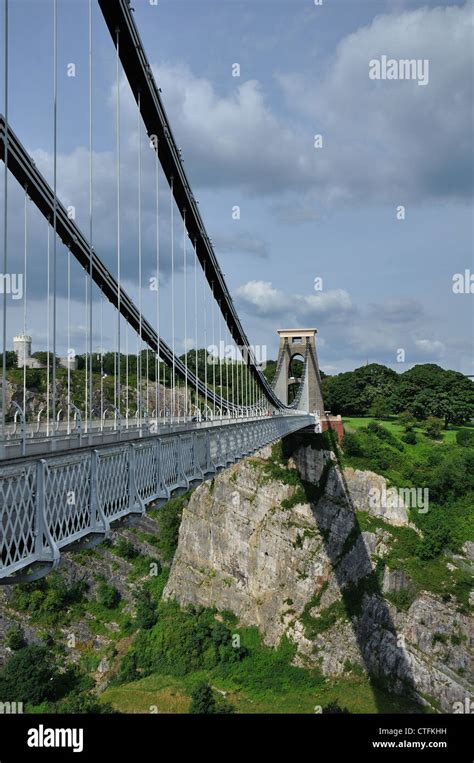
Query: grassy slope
{"type": "Point", "coordinates": [394, 426]}
{"type": "Point", "coordinates": [264, 682]}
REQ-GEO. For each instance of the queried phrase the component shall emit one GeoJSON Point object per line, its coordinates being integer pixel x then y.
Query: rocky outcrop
{"type": "Point", "coordinates": [305, 569]}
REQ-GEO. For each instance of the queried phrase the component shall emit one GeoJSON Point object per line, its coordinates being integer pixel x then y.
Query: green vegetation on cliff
{"type": "Point", "coordinates": [169, 662]}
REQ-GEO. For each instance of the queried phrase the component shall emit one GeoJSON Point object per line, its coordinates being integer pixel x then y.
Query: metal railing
{"type": "Point", "coordinates": [55, 501]}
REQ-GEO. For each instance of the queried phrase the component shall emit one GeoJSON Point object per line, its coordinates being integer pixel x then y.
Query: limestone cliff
{"type": "Point", "coordinates": [289, 555]}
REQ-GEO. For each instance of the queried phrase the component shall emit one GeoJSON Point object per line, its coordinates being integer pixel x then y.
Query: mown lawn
{"type": "Point", "coordinates": [394, 426]}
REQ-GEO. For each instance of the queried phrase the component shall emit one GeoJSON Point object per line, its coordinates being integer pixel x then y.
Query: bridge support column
{"type": "Point", "coordinates": [301, 342]}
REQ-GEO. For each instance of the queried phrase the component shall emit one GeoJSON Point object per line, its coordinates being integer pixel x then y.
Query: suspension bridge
{"type": "Point", "coordinates": [146, 412]}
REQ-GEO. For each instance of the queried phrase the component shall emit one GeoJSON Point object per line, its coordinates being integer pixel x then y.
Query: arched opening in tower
{"type": "Point", "coordinates": [295, 373]}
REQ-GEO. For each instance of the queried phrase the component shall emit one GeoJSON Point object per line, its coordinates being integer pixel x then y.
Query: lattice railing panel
{"type": "Point", "coordinates": [186, 447]}
{"type": "Point", "coordinates": [67, 496]}
{"type": "Point", "coordinates": [113, 482]}
{"type": "Point", "coordinates": [169, 464]}
{"type": "Point", "coordinates": [202, 452]}
{"type": "Point", "coordinates": [17, 515]}
{"type": "Point", "coordinates": [146, 470]}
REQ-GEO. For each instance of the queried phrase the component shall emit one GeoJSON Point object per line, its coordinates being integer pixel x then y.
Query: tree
{"type": "Point", "coordinates": [128, 670]}
{"type": "Point", "coordinates": [11, 359]}
{"type": "Point", "coordinates": [30, 675]}
{"type": "Point", "coordinates": [202, 700]}
{"type": "Point", "coordinates": [407, 420]}
{"type": "Point", "coordinates": [270, 370]}
{"type": "Point", "coordinates": [204, 703]}
{"type": "Point", "coordinates": [107, 595]}
{"type": "Point", "coordinates": [380, 408]}
{"type": "Point", "coordinates": [354, 392]}
{"type": "Point", "coordinates": [146, 610]}
{"type": "Point", "coordinates": [433, 427]}
{"type": "Point", "coordinates": [334, 707]}
{"type": "Point", "coordinates": [429, 390]}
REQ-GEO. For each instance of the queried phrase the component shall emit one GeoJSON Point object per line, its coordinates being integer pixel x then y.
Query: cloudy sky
{"type": "Point", "coordinates": [328, 211]}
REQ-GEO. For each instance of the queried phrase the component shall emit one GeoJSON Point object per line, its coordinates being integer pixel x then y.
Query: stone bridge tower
{"type": "Point", "coordinates": [299, 342]}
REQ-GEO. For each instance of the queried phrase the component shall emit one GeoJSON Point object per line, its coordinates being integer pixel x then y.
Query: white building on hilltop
{"type": "Point", "coordinates": [22, 347]}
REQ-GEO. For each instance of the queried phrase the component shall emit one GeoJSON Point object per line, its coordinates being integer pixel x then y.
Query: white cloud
{"type": "Point", "coordinates": [394, 139]}
{"type": "Point", "coordinates": [430, 347]}
{"type": "Point", "coordinates": [262, 298]}
{"type": "Point", "coordinates": [234, 140]}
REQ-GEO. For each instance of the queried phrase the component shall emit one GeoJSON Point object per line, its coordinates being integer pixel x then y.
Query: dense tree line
{"type": "Point", "coordinates": [424, 391]}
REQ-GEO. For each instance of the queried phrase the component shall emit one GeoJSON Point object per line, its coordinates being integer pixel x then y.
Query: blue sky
{"type": "Point", "coordinates": [306, 212]}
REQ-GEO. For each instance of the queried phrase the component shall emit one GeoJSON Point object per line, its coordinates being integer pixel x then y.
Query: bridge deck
{"type": "Point", "coordinates": [57, 500]}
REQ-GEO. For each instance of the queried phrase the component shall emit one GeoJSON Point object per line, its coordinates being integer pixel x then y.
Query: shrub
{"type": "Point", "coordinates": [465, 438]}
{"type": "Point", "coordinates": [128, 670]}
{"type": "Point", "coordinates": [384, 434]}
{"type": "Point", "coordinates": [48, 599]}
{"type": "Point", "coordinates": [107, 595]}
{"type": "Point", "coordinates": [77, 703]}
{"type": "Point", "coordinates": [169, 517]}
{"type": "Point", "coordinates": [202, 700]}
{"type": "Point", "coordinates": [352, 445]}
{"type": "Point", "coordinates": [15, 638]}
{"type": "Point", "coordinates": [333, 708]}
{"type": "Point", "coordinates": [407, 420]}
{"type": "Point", "coordinates": [126, 549]}
{"type": "Point", "coordinates": [409, 437]}
{"type": "Point", "coordinates": [183, 641]}
{"type": "Point", "coordinates": [402, 599]}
